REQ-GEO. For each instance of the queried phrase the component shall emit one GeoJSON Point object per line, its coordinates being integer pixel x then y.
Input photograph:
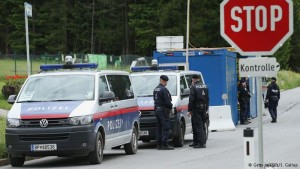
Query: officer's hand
{"type": "Point", "coordinates": [190, 114]}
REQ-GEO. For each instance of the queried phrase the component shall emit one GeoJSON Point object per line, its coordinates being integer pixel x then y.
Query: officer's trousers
{"type": "Point", "coordinates": [198, 130]}
{"type": "Point", "coordinates": [243, 110]}
{"type": "Point", "coordinates": [163, 126]}
{"type": "Point", "coordinates": [273, 109]}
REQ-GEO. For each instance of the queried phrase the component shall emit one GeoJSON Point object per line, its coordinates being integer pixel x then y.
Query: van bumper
{"type": "Point", "coordinates": [150, 124]}
{"type": "Point", "coordinates": [70, 141]}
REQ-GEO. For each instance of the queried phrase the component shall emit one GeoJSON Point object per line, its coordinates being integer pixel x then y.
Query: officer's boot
{"type": "Point", "coordinates": [166, 146]}
{"type": "Point", "coordinates": [159, 146]}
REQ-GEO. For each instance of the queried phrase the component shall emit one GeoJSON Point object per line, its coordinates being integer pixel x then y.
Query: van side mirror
{"type": "Point", "coordinates": [107, 96]}
{"type": "Point", "coordinates": [185, 92]}
{"type": "Point", "coordinates": [11, 99]}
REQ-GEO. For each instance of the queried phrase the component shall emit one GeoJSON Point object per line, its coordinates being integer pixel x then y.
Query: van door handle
{"type": "Point", "coordinates": [111, 106]}
{"type": "Point", "coordinates": [116, 105]}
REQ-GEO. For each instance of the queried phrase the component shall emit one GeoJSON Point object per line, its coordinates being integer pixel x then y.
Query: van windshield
{"type": "Point", "coordinates": [145, 84]}
{"type": "Point", "coordinates": [58, 88]}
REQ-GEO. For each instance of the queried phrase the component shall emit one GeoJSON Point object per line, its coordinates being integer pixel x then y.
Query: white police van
{"type": "Point", "coordinates": [72, 112]}
{"type": "Point", "coordinates": [144, 82]}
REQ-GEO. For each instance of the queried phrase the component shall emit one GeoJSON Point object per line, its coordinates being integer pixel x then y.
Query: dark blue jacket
{"type": "Point", "coordinates": [198, 96]}
{"type": "Point", "coordinates": [162, 97]}
{"type": "Point", "coordinates": [273, 92]}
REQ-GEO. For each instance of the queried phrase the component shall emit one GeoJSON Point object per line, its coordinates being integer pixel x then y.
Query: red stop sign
{"type": "Point", "coordinates": [256, 27]}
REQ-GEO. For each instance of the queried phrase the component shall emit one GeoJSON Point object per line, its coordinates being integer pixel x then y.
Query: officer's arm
{"type": "Point", "coordinates": [278, 93]}
{"type": "Point", "coordinates": [192, 98]}
{"type": "Point", "coordinates": [207, 96]}
{"type": "Point", "coordinates": [167, 99]}
{"type": "Point", "coordinates": [268, 92]}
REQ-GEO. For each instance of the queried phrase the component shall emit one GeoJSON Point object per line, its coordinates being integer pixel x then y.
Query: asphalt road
{"type": "Point", "coordinates": [224, 149]}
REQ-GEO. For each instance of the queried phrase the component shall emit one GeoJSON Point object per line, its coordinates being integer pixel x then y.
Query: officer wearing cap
{"type": "Point", "coordinates": [197, 108]}
{"type": "Point", "coordinates": [273, 96]}
{"type": "Point", "coordinates": [163, 105]}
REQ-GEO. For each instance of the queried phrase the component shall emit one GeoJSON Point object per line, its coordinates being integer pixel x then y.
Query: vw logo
{"type": "Point", "coordinates": [44, 123]}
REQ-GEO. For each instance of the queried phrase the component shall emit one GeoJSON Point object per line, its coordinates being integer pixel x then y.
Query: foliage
{"type": "Point", "coordinates": [15, 81]}
{"type": "Point", "coordinates": [3, 101]}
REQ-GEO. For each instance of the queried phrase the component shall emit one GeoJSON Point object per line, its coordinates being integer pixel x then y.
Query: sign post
{"type": "Point", "coordinates": [28, 13]}
{"type": "Point", "coordinates": [256, 28]}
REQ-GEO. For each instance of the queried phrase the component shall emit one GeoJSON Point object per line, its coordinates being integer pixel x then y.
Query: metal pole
{"type": "Point", "coordinates": [27, 45]}
{"type": "Point", "coordinates": [260, 120]}
{"type": "Point", "coordinates": [187, 36]}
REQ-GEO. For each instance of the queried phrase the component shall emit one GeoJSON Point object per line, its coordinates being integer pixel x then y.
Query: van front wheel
{"type": "Point", "coordinates": [96, 156]}
{"type": "Point", "coordinates": [132, 146]}
{"type": "Point", "coordinates": [16, 161]}
{"type": "Point", "coordinates": [179, 140]}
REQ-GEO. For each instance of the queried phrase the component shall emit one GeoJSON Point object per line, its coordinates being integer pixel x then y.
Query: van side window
{"type": "Point", "coordinates": [121, 86]}
{"type": "Point", "coordinates": [189, 79]}
{"type": "Point", "coordinates": [183, 84]}
{"type": "Point", "coordinates": [102, 86]}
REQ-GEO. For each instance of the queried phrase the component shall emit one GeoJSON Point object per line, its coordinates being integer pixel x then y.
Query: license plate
{"type": "Point", "coordinates": [43, 147]}
{"type": "Point", "coordinates": [144, 133]}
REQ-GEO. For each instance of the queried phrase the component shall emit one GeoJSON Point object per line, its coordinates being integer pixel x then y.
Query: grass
{"type": "Point", "coordinates": [10, 67]}
{"type": "Point", "coordinates": [288, 79]}
{"type": "Point", "coordinates": [2, 138]}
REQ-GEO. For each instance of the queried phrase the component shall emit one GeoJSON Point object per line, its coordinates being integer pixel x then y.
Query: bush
{"type": "Point", "coordinates": [12, 85]}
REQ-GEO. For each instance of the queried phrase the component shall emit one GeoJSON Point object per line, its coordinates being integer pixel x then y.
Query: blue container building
{"type": "Point", "coordinates": [219, 69]}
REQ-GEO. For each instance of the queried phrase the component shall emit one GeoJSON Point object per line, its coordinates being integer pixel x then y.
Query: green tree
{"type": "Point", "coordinates": [283, 55]}
{"type": "Point", "coordinates": [294, 61]}
{"type": "Point", "coordinates": [144, 20]}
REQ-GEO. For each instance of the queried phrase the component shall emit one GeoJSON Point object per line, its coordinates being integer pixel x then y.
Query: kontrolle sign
{"type": "Point", "coordinates": [258, 67]}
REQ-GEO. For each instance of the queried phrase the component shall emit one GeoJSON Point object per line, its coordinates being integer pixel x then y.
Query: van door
{"type": "Point", "coordinates": [184, 100]}
{"type": "Point", "coordinates": [125, 105]}
{"type": "Point", "coordinates": [107, 113]}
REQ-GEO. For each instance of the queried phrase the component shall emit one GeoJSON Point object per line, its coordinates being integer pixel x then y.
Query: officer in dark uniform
{"type": "Point", "coordinates": [198, 106]}
{"type": "Point", "coordinates": [163, 105]}
{"type": "Point", "coordinates": [243, 97]}
{"type": "Point", "coordinates": [273, 96]}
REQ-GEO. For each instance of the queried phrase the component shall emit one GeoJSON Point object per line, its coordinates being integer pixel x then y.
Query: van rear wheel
{"type": "Point", "coordinates": [132, 146]}
{"type": "Point", "coordinates": [96, 156]}
{"type": "Point", "coordinates": [16, 161]}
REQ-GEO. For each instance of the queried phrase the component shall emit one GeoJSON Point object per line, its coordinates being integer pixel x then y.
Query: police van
{"type": "Point", "coordinates": [71, 110]}
{"type": "Point", "coordinates": [144, 80]}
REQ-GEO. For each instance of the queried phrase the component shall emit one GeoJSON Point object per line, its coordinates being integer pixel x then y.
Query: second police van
{"type": "Point", "coordinates": [144, 81]}
{"type": "Point", "coordinates": [72, 112]}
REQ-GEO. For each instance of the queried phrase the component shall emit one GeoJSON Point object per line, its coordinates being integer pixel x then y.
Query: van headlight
{"type": "Point", "coordinates": [12, 123]}
{"type": "Point", "coordinates": [81, 120]}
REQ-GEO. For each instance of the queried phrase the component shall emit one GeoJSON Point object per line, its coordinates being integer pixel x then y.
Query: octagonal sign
{"type": "Point", "coordinates": [256, 27]}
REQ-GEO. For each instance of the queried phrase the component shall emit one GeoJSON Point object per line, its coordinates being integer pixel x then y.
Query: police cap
{"type": "Point", "coordinates": [164, 78]}
{"type": "Point", "coordinates": [274, 78]}
{"type": "Point", "coordinates": [195, 77]}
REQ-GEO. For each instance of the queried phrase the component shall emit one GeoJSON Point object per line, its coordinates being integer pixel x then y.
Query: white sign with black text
{"type": "Point", "coordinates": [258, 67]}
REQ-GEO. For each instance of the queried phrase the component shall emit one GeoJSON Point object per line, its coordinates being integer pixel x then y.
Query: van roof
{"type": "Point", "coordinates": [87, 72]}
{"type": "Point", "coordinates": [165, 72]}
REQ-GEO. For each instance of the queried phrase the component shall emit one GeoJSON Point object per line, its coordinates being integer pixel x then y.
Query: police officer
{"type": "Point", "coordinates": [198, 106]}
{"type": "Point", "coordinates": [273, 96]}
{"type": "Point", "coordinates": [244, 95]}
{"type": "Point", "coordinates": [163, 105]}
